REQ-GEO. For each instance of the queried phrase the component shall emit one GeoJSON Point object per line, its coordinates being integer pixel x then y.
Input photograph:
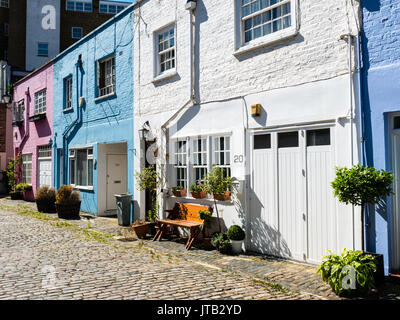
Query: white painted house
{"type": "Point", "coordinates": [200, 66]}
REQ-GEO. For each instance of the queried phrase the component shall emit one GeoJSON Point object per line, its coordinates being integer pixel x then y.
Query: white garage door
{"type": "Point", "coordinates": [292, 207]}
{"type": "Point", "coordinates": [44, 166]}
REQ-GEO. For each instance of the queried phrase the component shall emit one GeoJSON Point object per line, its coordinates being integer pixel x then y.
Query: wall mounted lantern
{"type": "Point", "coordinates": [255, 110]}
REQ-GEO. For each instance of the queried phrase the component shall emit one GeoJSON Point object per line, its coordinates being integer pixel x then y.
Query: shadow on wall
{"type": "Point", "coordinates": [43, 128]}
{"type": "Point", "coordinates": [372, 5]}
{"type": "Point", "coordinates": [264, 238]}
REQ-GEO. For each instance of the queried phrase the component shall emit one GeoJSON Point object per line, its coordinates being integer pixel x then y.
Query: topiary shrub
{"type": "Point", "coordinates": [236, 233]}
{"type": "Point", "coordinates": [68, 203]}
{"type": "Point", "coordinates": [45, 198]}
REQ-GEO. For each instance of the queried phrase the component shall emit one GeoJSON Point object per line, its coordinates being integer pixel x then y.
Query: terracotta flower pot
{"type": "Point", "coordinates": [207, 243]}
{"type": "Point", "coordinates": [199, 195]}
{"type": "Point", "coordinates": [223, 197]}
{"type": "Point", "coordinates": [28, 195]}
{"type": "Point", "coordinates": [179, 193]}
{"type": "Point", "coordinates": [140, 230]}
{"type": "Point", "coordinates": [68, 211]}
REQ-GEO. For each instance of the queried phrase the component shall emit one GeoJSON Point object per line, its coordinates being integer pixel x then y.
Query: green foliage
{"type": "Point", "coordinates": [221, 242]}
{"type": "Point", "coordinates": [67, 195]}
{"type": "Point", "coordinates": [153, 213]}
{"type": "Point", "coordinates": [335, 270]}
{"type": "Point", "coordinates": [361, 185]}
{"type": "Point", "coordinates": [23, 187]}
{"type": "Point", "coordinates": [177, 188]}
{"type": "Point", "coordinates": [46, 193]}
{"type": "Point", "coordinates": [235, 232]}
{"type": "Point", "coordinates": [215, 182]}
{"type": "Point", "coordinates": [205, 215]}
{"type": "Point", "coordinates": [148, 179]}
{"type": "Point", "coordinates": [197, 188]}
{"type": "Point", "coordinates": [13, 169]}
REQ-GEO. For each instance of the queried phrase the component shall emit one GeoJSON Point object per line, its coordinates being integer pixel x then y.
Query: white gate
{"type": "Point", "coordinates": [44, 165]}
{"type": "Point", "coordinates": [292, 206]}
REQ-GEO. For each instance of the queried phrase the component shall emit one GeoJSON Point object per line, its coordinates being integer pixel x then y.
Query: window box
{"type": "Point", "coordinates": [226, 196]}
{"type": "Point", "coordinates": [37, 117]}
{"type": "Point", "coordinates": [199, 195]}
{"type": "Point", "coordinates": [17, 123]}
{"type": "Point", "coordinates": [179, 193]}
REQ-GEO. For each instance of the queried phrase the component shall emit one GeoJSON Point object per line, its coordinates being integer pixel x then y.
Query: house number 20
{"type": "Point", "coordinates": [238, 158]}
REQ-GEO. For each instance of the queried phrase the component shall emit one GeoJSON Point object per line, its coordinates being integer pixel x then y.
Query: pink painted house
{"type": "Point", "coordinates": [33, 126]}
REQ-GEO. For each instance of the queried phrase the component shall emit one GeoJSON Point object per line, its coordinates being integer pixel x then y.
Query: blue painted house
{"type": "Point", "coordinates": [93, 115]}
{"type": "Point", "coordinates": [381, 125]}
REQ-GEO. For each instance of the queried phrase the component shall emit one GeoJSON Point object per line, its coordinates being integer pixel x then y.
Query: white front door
{"type": "Point", "coordinates": [116, 178]}
{"type": "Point", "coordinates": [292, 205]}
{"type": "Point", "coordinates": [44, 166]}
{"type": "Point", "coordinates": [395, 263]}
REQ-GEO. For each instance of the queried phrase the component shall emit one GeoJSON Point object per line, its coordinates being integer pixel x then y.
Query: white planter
{"type": "Point", "coordinates": [236, 246]}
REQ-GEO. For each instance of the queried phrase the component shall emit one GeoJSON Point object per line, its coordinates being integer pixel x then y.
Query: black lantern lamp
{"type": "Point", "coordinates": [6, 98]}
{"type": "Point", "coordinates": [143, 133]}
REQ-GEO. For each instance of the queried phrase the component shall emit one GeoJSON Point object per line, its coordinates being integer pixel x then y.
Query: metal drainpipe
{"type": "Point", "coordinates": [78, 66]}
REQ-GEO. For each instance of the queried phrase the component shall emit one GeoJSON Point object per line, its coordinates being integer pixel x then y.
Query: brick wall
{"type": "Point", "coordinates": [381, 25]}
{"type": "Point", "coordinates": [2, 128]}
{"type": "Point", "coordinates": [316, 53]}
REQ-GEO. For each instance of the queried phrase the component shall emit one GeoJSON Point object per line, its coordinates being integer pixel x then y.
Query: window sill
{"type": "Point", "coordinates": [267, 41]}
{"type": "Point", "coordinates": [165, 75]}
{"type": "Point", "coordinates": [110, 95]}
{"type": "Point", "coordinates": [67, 109]}
{"type": "Point", "coordinates": [37, 117]}
{"type": "Point", "coordinates": [87, 188]}
{"type": "Point", "coordinates": [201, 200]}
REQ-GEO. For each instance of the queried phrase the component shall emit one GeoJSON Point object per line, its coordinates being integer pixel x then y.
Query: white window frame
{"type": "Point", "coordinates": [4, 3]}
{"type": "Point", "coordinates": [76, 28]}
{"type": "Point", "coordinates": [73, 156]}
{"type": "Point", "coordinates": [68, 82]}
{"type": "Point", "coordinates": [18, 112]}
{"type": "Point", "coordinates": [201, 152]}
{"type": "Point", "coordinates": [182, 166]}
{"type": "Point", "coordinates": [242, 47]}
{"type": "Point", "coordinates": [26, 168]}
{"type": "Point", "coordinates": [108, 89]}
{"type": "Point", "coordinates": [40, 101]}
{"type": "Point", "coordinates": [158, 74]}
{"type": "Point", "coordinates": [210, 151]}
{"type": "Point", "coordinates": [119, 6]}
{"type": "Point", "coordinates": [83, 2]}
{"type": "Point", "coordinates": [44, 152]}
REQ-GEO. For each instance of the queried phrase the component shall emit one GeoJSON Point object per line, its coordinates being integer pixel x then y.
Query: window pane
{"type": "Point", "coordinates": [72, 171]}
{"type": "Point", "coordinates": [320, 137]}
{"type": "Point", "coordinates": [81, 167]}
{"type": "Point", "coordinates": [288, 139]}
{"type": "Point", "coordinates": [262, 141]}
{"type": "Point", "coordinates": [90, 172]}
{"type": "Point", "coordinates": [396, 124]}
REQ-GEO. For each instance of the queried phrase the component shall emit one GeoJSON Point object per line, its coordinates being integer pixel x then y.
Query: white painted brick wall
{"type": "Point", "coordinates": [316, 53]}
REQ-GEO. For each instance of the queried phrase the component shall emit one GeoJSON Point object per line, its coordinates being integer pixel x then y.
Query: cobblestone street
{"type": "Point", "coordinates": [43, 257]}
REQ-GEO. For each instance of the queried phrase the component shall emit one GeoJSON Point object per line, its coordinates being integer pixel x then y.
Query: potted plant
{"type": "Point", "coordinates": [236, 234]}
{"type": "Point", "coordinates": [12, 177]}
{"type": "Point", "coordinates": [219, 186]}
{"type": "Point", "coordinates": [68, 202]}
{"type": "Point", "coordinates": [26, 190]}
{"type": "Point", "coordinates": [140, 228]}
{"type": "Point", "coordinates": [360, 186]}
{"type": "Point", "coordinates": [45, 199]}
{"type": "Point", "coordinates": [198, 191]}
{"type": "Point", "coordinates": [351, 273]}
{"type": "Point", "coordinates": [179, 191]}
{"type": "Point", "coordinates": [149, 179]}
{"type": "Point", "coordinates": [221, 242]}
{"type": "Point", "coordinates": [205, 215]}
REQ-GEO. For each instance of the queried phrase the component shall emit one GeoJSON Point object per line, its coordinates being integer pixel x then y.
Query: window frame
{"type": "Point", "coordinates": [113, 75]}
{"type": "Point", "coordinates": [76, 28]}
{"type": "Point", "coordinates": [73, 157]}
{"type": "Point", "coordinates": [18, 112]}
{"type": "Point", "coordinates": [68, 92]}
{"type": "Point", "coordinates": [39, 54]}
{"type": "Point", "coordinates": [4, 3]}
{"type": "Point", "coordinates": [117, 5]}
{"type": "Point", "coordinates": [241, 46]}
{"type": "Point", "coordinates": [25, 178]}
{"type": "Point", "coordinates": [43, 102]}
{"type": "Point", "coordinates": [157, 54]}
{"type": "Point", "coordinates": [190, 165]}
{"type": "Point", "coordinates": [183, 168]}
{"type": "Point", "coordinates": [83, 2]}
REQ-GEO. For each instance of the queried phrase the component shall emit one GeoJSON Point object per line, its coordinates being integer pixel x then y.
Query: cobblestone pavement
{"type": "Point", "coordinates": [50, 259]}
{"type": "Point", "coordinates": [104, 265]}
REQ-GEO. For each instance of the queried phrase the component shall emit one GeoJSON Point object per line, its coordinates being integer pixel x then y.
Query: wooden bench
{"type": "Point", "coordinates": [184, 215]}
